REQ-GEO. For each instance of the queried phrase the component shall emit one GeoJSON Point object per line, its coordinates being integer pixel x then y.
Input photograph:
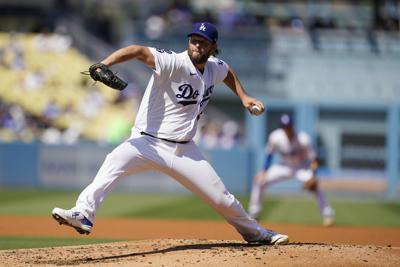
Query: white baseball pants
{"type": "Point", "coordinates": [183, 162]}
{"type": "Point", "coordinates": [276, 173]}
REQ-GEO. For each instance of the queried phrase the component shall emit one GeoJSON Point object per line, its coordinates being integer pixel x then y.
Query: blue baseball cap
{"type": "Point", "coordinates": [286, 120]}
{"type": "Point", "coordinates": [206, 30]}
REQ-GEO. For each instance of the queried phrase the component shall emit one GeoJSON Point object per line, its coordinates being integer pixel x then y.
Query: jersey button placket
{"type": "Point", "coordinates": [201, 94]}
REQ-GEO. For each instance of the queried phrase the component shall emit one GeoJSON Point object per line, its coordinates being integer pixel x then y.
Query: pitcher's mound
{"type": "Point", "coordinates": [182, 252]}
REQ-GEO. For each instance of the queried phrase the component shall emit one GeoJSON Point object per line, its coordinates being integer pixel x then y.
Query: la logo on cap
{"type": "Point", "coordinates": [202, 27]}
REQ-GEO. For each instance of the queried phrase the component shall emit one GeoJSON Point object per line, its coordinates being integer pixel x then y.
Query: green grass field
{"type": "Point", "coordinates": [12, 242]}
{"type": "Point", "coordinates": [302, 210]}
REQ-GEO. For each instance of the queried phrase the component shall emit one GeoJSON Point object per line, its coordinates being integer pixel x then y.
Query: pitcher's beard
{"type": "Point", "coordinates": [200, 60]}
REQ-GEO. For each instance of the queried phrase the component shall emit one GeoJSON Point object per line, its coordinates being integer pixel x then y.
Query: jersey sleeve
{"type": "Point", "coordinates": [220, 70]}
{"type": "Point", "coordinates": [164, 61]}
{"type": "Point", "coordinates": [270, 146]}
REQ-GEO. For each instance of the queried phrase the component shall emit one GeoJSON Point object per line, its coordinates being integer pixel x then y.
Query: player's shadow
{"type": "Point", "coordinates": [231, 245]}
{"type": "Point", "coordinates": [158, 251]}
{"type": "Point", "coordinates": [310, 244]}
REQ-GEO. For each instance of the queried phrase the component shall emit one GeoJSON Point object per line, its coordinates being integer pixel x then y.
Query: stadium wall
{"type": "Point", "coordinates": [73, 167]}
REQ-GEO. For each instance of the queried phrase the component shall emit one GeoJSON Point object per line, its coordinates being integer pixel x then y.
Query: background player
{"type": "Point", "coordinates": [298, 160]}
{"type": "Point", "coordinates": [161, 139]}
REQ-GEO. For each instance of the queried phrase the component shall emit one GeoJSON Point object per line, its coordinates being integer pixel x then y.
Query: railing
{"type": "Point", "coordinates": [96, 50]}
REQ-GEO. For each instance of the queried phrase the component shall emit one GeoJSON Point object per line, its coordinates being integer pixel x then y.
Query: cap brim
{"type": "Point", "coordinates": [202, 35]}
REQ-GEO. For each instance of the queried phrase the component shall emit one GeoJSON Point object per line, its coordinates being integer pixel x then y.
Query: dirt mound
{"type": "Point", "coordinates": [201, 252]}
{"type": "Point", "coordinates": [348, 246]}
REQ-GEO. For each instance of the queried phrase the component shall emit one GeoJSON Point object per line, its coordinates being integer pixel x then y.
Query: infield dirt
{"type": "Point", "coordinates": [201, 243]}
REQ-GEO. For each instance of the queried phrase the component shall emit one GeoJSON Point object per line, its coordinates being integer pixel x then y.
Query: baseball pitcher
{"type": "Point", "coordinates": [178, 91]}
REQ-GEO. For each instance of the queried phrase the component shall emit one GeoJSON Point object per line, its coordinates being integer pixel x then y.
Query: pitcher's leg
{"type": "Point", "coordinates": [123, 160]}
{"type": "Point", "coordinates": [196, 174]}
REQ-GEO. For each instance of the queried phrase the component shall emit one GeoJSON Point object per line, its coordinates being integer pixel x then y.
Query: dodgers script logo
{"type": "Point", "coordinates": [188, 95]}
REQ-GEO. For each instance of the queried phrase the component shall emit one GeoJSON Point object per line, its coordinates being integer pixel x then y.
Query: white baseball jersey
{"type": "Point", "coordinates": [295, 152]}
{"type": "Point", "coordinates": [176, 94]}
{"type": "Point", "coordinates": [296, 155]}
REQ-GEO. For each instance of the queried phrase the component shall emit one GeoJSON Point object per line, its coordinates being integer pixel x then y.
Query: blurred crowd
{"type": "Point", "coordinates": [113, 20]}
{"type": "Point", "coordinates": [216, 134]}
{"type": "Point", "coordinates": [30, 106]}
{"type": "Point", "coordinates": [16, 123]}
{"type": "Point", "coordinates": [12, 54]}
{"type": "Point", "coordinates": [186, 12]}
{"type": "Point", "coordinates": [307, 16]}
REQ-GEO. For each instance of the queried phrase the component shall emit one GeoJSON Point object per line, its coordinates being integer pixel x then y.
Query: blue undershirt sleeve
{"type": "Point", "coordinates": [268, 161]}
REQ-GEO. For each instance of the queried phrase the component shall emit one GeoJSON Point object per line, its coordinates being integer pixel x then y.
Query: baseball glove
{"type": "Point", "coordinates": [102, 73]}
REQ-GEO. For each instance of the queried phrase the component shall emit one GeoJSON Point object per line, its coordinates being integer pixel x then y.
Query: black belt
{"type": "Point", "coordinates": [172, 141]}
